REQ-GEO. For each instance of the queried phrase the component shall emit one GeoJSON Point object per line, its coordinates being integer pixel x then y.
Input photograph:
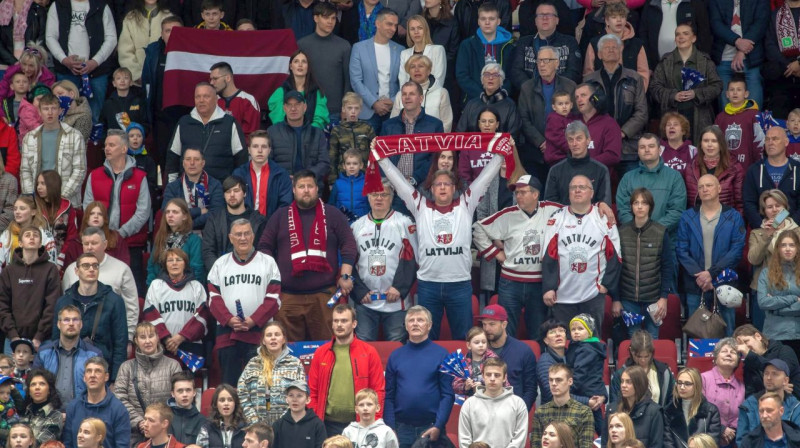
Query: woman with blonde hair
{"type": "Point", "coordinates": [419, 41]}
{"type": "Point", "coordinates": [761, 244]}
{"type": "Point", "coordinates": [175, 231]}
{"type": "Point", "coordinates": [435, 99]}
{"type": "Point", "coordinates": [690, 413]}
{"type": "Point", "coordinates": [32, 62]}
{"type": "Point", "coordinates": [146, 379]}
{"type": "Point", "coordinates": [262, 385]}
{"type": "Point", "coordinates": [778, 291]}
{"type": "Point", "coordinates": [620, 428]}
{"type": "Point", "coordinates": [702, 441]}
{"type": "Point", "coordinates": [91, 433]}
{"type": "Point", "coordinates": [25, 214]}
{"type": "Point", "coordinates": [79, 112]}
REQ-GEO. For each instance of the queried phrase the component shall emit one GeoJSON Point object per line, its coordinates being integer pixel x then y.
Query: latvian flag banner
{"type": "Point", "coordinates": [260, 61]}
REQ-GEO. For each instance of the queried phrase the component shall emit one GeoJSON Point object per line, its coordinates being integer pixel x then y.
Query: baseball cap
{"type": "Point", "coordinates": [779, 364]}
{"type": "Point", "coordinates": [298, 384]}
{"type": "Point", "coordinates": [495, 312]}
{"type": "Point", "coordinates": [293, 94]}
{"type": "Point", "coordinates": [527, 180]}
{"type": "Point", "coordinates": [28, 342]}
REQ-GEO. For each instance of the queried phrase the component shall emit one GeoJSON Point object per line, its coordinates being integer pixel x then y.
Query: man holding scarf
{"type": "Point", "coordinates": [306, 238]}
{"type": "Point", "coordinates": [201, 192]}
{"type": "Point", "coordinates": [444, 230]}
{"type": "Point", "coordinates": [782, 62]}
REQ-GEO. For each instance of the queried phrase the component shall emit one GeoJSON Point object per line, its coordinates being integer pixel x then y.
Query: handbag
{"type": "Point", "coordinates": [705, 323]}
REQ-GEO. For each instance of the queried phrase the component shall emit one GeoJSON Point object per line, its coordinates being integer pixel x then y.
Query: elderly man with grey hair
{"type": "Point", "coordinates": [578, 162]}
{"type": "Point", "coordinates": [625, 98]}
{"type": "Point", "coordinates": [122, 188]}
{"type": "Point", "coordinates": [419, 397]}
{"type": "Point", "coordinates": [386, 268]}
{"type": "Point", "coordinates": [535, 104]}
{"type": "Point", "coordinates": [494, 95]}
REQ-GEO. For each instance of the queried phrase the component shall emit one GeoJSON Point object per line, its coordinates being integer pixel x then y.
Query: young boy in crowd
{"type": "Point", "coordinates": [8, 408]}
{"type": "Point", "coordinates": [347, 190]}
{"type": "Point", "coordinates": [556, 148]}
{"type": "Point", "coordinates": [157, 420]}
{"type": "Point", "coordinates": [20, 85]}
{"type": "Point", "coordinates": [368, 431]}
{"type": "Point", "coordinates": [137, 150]}
{"type": "Point", "coordinates": [212, 13]}
{"type": "Point", "coordinates": [793, 132]}
{"type": "Point", "coordinates": [494, 414]}
{"type": "Point", "coordinates": [126, 105]}
{"type": "Point", "coordinates": [186, 419]}
{"type": "Point", "coordinates": [23, 357]}
{"type": "Point", "coordinates": [350, 133]}
{"type": "Point", "coordinates": [584, 354]}
{"type": "Point", "coordinates": [739, 123]}
{"type": "Point", "coordinates": [300, 426]}
{"type": "Point", "coordinates": [337, 442]}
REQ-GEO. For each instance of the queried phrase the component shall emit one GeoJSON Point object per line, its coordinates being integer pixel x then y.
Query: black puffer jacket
{"type": "Point", "coordinates": [313, 150]}
{"type": "Point", "coordinates": [648, 424]}
{"type": "Point", "coordinates": [36, 19]}
{"type": "Point", "coordinates": [706, 421]}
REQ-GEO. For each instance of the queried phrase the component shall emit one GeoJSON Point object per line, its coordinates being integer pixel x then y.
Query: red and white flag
{"type": "Point", "coordinates": [260, 61]}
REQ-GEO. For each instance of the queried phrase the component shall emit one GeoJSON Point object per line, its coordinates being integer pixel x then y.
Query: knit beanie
{"type": "Point", "coordinates": [587, 321]}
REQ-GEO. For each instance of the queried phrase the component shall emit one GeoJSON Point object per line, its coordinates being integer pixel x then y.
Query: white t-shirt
{"type": "Point", "coordinates": [384, 57]}
{"type": "Point", "coordinates": [78, 42]}
{"type": "Point", "coordinates": [669, 21]}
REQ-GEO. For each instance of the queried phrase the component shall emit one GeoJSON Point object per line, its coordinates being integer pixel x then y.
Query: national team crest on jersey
{"type": "Point", "coordinates": [377, 263]}
{"type": "Point", "coordinates": [733, 135]}
{"type": "Point", "coordinates": [578, 259]}
{"type": "Point", "coordinates": [443, 227]}
{"type": "Point", "coordinates": [532, 242]}
{"type": "Point", "coordinates": [676, 163]}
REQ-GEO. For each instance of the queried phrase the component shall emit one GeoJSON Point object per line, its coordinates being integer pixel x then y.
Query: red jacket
{"type": "Point", "coordinates": [730, 181]}
{"type": "Point", "coordinates": [103, 187]}
{"type": "Point", "coordinates": [367, 373]}
{"type": "Point", "coordinates": [9, 147]}
{"type": "Point", "coordinates": [171, 443]}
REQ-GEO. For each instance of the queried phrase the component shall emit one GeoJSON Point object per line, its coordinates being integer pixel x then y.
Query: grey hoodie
{"type": "Point", "coordinates": [500, 421]}
{"type": "Point", "coordinates": [376, 435]}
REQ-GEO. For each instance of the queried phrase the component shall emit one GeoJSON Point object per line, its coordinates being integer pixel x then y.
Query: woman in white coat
{"type": "Point", "coordinates": [418, 39]}
{"type": "Point", "coordinates": [435, 99]}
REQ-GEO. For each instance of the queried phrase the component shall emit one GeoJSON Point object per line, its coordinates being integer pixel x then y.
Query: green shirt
{"type": "Point", "coordinates": [341, 405]}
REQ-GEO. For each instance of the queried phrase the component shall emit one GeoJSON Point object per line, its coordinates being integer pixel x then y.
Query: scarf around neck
{"type": "Point", "coordinates": [366, 26]}
{"type": "Point", "coordinates": [395, 145]}
{"type": "Point", "coordinates": [314, 256]}
{"type": "Point", "coordinates": [202, 198]}
{"type": "Point", "coordinates": [787, 34]}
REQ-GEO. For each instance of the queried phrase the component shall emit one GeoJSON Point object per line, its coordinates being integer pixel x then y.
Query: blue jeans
{"type": "Point", "coordinates": [99, 85]}
{"type": "Point", "coordinates": [514, 296]}
{"type": "Point", "coordinates": [369, 321]}
{"type": "Point", "coordinates": [407, 434]}
{"type": "Point", "coordinates": [640, 308]}
{"type": "Point", "coordinates": [453, 297]}
{"type": "Point", "coordinates": [751, 75]}
{"type": "Point", "coordinates": [728, 314]}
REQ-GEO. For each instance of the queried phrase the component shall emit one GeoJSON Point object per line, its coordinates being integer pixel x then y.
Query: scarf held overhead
{"type": "Point", "coordinates": [314, 257]}
{"type": "Point", "coordinates": [393, 145]}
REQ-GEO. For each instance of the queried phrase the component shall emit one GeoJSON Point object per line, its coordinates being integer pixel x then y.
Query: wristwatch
{"type": "Point", "coordinates": [347, 277]}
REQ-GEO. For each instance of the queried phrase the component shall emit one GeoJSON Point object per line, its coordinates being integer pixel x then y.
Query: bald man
{"type": "Point", "coordinates": [777, 170]}
{"type": "Point", "coordinates": [710, 239]}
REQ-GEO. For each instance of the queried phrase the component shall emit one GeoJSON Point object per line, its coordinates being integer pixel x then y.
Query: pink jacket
{"type": "Point", "coordinates": [458, 383]}
{"type": "Point", "coordinates": [726, 395]}
{"type": "Point", "coordinates": [46, 77]}
{"type": "Point", "coordinates": [29, 118]}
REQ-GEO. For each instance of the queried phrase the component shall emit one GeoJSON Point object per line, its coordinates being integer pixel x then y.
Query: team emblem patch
{"type": "Point", "coordinates": [578, 259]}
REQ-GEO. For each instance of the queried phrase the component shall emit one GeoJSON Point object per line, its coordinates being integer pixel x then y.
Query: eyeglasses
{"type": "Point", "coordinates": [443, 184]}
{"type": "Point", "coordinates": [684, 383]}
{"type": "Point", "coordinates": [579, 187]}
{"type": "Point", "coordinates": [491, 75]}
{"type": "Point", "coordinates": [546, 15]}
{"type": "Point", "coordinates": [557, 331]}
{"type": "Point", "coordinates": [32, 51]}
{"type": "Point", "coordinates": [6, 367]}
{"type": "Point", "coordinates": [87, 266]}
{"type": "Point", "coordinates": [547, 60]}
{"type": "Point", "coordinates": [380, 195]}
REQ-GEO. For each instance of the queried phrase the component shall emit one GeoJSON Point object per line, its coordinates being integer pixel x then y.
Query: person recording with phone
{"type": "Point", "coordinates": [774, 208]}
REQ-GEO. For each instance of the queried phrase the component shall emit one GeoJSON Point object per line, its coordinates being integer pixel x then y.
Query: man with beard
{"type": "Point", "coordinates": [307, 238]}
{"type": "Point", "coordinates": [518, 356]}
{"type": "Point", "coordinates": [773, 431]}
{"type": "Point", "coordinates": [340, 369]}
{"type": "Point", "coordinates": [240, 104]}
{"type": "Point", "coordinates": [65, 356]}
{"type": "Point", "coordinates": [215, 232]}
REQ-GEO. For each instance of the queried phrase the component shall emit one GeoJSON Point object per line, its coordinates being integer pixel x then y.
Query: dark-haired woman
{"type": "Point", "coordinates": [302, 80]}
{"type": "Point", "coordinates": [714, 158]}
{"type": "Point", "coordinates": [175, 231]}
{"type": "Point", "coordinates": [660, 378]}
{"type": "Point", "coordinates": [634, 400]}
{"type": "Point", "coordinates": [61, 218]}
{"type": "Point", "coordinates": [42, 406]}
{"type": "Point", "coordinates": [140, 27]}
{"type": "Point", "coordinates": [225, 426]}
{"type": "Point", "coordinates": [96, 215]}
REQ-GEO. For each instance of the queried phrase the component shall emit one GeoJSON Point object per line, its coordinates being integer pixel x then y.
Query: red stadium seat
{"type": "Point", "coordinates": [214, 372]}
{"type": "Point", "coordinates": [608, 320]}
{"type": "Point", "coordinates": [385, 348]}
{"type": "Point", "coordinates": [666, 352]}
{"type": "Point", "coordinates": [444, 331]}
{"type": "Point", "coordinates": [537, 350]}
{"type": "Point", "coordinates": [205, 401]}
{"type": "Point", "coordinates": [452, 424]}
{"type": "Point", "coordinates": [452, 346]}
